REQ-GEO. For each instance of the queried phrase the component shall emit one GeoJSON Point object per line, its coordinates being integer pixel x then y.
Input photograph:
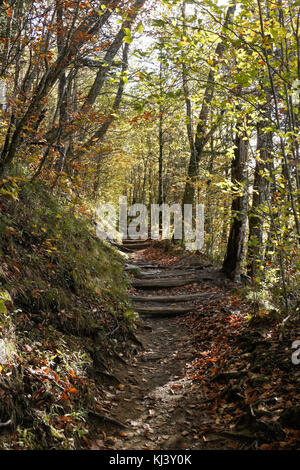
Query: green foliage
{"type": "Point", "coordinates": [62, 293]}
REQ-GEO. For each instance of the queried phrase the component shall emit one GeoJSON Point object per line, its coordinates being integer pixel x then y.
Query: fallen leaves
{"type": "Point", "coordinates": [220, 391]}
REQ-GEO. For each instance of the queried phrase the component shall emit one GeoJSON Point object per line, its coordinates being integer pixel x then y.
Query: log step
{"type": "Point", "coordinates": [175, 268]}
{"type": "Point", "coordinates": [160, 283]}
{"type": "Point", "coordinates": [164, 275]}
{"type": "Point", "coordinates": [130, 241]}
{"type": "Point", "coordinates": [164, 310]}
{"type": "Point", "coordinates": [170, 298]}
{"type": "Point", "coordinates": [130, 248]}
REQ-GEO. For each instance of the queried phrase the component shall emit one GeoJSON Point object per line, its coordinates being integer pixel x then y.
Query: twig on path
{"type": "Point", "coordinates": [107, 419]}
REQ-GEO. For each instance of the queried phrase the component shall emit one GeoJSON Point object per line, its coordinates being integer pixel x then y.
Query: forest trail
{"type": "Point", "coordinates": [157, 399]}
{"type": "Point", "coordinates": [203, 376]}
{"type": "Point", "coordinates": [175, 115]}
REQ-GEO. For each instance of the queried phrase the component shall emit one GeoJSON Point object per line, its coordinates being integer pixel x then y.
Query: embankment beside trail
{"type": "Point", "coordinates": [65, 318]}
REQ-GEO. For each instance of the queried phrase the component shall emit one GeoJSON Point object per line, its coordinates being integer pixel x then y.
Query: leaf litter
{"type": "Point", "coordinates": [222, 382]}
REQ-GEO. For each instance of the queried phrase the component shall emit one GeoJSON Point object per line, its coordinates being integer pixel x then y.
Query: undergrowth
{"type": "Point", "coordinates": [64, 318]}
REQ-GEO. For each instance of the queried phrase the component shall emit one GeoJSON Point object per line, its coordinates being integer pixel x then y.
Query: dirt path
{"type": "Point", "coordinates": [206, 378]}
{"type": "Point", "coordinates": [158, 402]}
{"type": "Point", "coordinates": [157, 399]}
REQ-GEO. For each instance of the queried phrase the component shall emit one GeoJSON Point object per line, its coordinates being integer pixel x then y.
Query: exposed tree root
{"type": "Point", "coordinates": [107, 419]}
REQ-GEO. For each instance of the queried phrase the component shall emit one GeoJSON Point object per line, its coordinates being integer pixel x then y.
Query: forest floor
{"type": "Point", "coordinates": [217, 377]}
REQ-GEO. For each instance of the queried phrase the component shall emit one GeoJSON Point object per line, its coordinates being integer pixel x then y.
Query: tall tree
{"type": "Point", "coordinates": [235, 251]}
{"type": "Point", "coordinates": [202, 133]}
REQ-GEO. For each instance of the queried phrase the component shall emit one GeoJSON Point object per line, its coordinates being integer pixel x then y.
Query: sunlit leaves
{"type": "Point", "coordinates": [2, 307]}
{"type": "Point", "coordinates": [128, 38]}
{"type": "Point", "coordinates": [140, 28]}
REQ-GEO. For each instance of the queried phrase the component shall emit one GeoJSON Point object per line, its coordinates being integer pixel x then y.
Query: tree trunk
{"type": "Point", "coordinates": [236, 241]}
{"type": "Point", "coordinates": [260, 187]}
{"type": "Point", "coordinates": [160, 198]}
{"type": "Point", "coordinates": [202, 135]}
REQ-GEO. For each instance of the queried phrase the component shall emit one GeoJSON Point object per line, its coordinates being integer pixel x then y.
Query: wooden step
{"type": "Point", "coordinates": [197, 267]}
{"type": "Point", "coordinates": [170, 298]}
{"type": "Point", "coordinates": [164, 310]}
{"type": "Point", "coordinates": [164, 275]}
{"type": "Point", "coordinates": [152, 266]}
{"type": "Point", "coordinates": [162, 283]}
{"type": "Point", "coordinates": [132, 241]}
{"type": "Point", "coordinates": [131, 248]}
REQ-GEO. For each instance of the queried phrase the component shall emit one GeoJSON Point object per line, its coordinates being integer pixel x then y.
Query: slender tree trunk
{"type": "Point", "coordinates": [160, 198]}
{"type": "Point", "coordinates": [202, 135]}
{"type": "Point", "coordinates": [110, 55]}
{"type": "Point", "coordinates": [236, 241]}
{"type": "Point", "coordinates": [274, 92]}
{"type": "Point", "coordinates": [101, 132]}
{"type": "Point", "coordinates": [260, 189]}
{"type": "Point", "coordinates": [71, 48]}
